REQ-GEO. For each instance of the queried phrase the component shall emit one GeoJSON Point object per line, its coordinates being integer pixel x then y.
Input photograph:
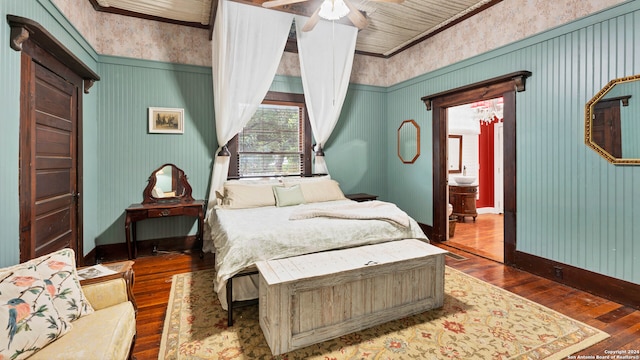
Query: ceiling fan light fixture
{"type": "Point", "coordinates": [333, 9]}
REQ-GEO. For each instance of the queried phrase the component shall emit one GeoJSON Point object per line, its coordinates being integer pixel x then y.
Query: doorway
{"type": "Point", "coordinates": [475, 183]}
{"type": "Point", "coordinates": [504, 86]}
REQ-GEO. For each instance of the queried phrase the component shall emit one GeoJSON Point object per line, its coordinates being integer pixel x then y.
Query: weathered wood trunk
{"type": "Point", "coordinates": [312, 298]}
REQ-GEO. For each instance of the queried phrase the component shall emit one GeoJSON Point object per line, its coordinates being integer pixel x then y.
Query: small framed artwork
{"type": "Point", "coordinates": [166, 120]}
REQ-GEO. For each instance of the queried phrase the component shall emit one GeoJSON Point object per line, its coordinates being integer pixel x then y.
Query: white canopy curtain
{"type": "Point", "coordinates": [326, 57]}
{"type": "Point", "coordinates": [248, 42]}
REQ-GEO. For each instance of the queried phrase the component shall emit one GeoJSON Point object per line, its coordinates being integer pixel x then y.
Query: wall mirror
{"type": "Point", "coordinates": [408, 141]}
{"type": "Point", "coordinates": [454, 148]}
{"type": "Point", "coordinates": [612, 121]}
{"type": "Point", "coordinates": [168, 183]}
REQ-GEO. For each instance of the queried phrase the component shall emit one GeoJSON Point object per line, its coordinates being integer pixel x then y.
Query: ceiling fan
{"type": "Point", "coordinates": [330, 10]}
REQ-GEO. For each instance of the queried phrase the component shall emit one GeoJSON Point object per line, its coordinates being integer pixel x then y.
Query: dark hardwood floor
{"type": "Point", "coordinates": [484, 237]}
{"type": "Point", "coordinates": [153, 283]}
{"type": "Point", "coordinates": [151, 290]}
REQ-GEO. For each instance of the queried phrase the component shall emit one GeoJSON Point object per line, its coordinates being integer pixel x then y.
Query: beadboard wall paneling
{"type": "Point", "coordinates": [573, 206]}
{"type": "Point", "coordinates": [128, 154]}
{"type": "Point", "coordinates": [9, 137]}
{"type": "Point", "coordinates": [43, 12]}
{"type": "Point", "coordinates": [354, 152]}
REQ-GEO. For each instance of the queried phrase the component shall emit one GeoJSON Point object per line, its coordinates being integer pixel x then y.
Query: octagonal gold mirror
{"type": "Point", "coordinates": [408, 141]}
{"type": "Point", "coordinates": [612, 121]}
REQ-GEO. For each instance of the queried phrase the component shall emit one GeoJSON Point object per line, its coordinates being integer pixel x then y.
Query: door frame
{"type": "Point", "coordinates": [504, 86]}
{"type": "Point", "coordinates": [36, 44]}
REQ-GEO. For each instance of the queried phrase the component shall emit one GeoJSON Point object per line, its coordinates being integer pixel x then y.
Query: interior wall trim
{"type": "Point", "coordinates": [617, 290]}
{"type": "Point", "coordinates": [153, 64]}
{"type": "Point", "coordinates": [23, 29]}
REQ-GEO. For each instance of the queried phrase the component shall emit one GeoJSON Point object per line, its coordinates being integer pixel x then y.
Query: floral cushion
{"type": "Point", "coordinates": [58, 270]}
{"type": "Point", "coordinates": [28, 318]}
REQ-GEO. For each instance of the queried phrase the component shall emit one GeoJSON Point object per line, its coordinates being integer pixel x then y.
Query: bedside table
{"type": "Point", "coordinates": [360, 197]}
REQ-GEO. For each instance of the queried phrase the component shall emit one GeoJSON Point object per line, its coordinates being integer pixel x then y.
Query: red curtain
{"type": "Point", "coordinates": [486, 186]}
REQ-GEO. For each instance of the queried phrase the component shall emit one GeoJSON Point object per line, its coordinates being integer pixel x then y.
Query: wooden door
{"type": "Point", "coordinates": [49, 207]}
{"type": "Point", "coordinates": [52, 80]}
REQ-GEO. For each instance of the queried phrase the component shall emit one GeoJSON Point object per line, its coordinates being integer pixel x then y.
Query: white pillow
{"type": "Point", "coordinates": [288, 181]}
{"type": "Point", "coordinates": [324, 190]}
{"type": "Point", "coordinates": [243, 196]}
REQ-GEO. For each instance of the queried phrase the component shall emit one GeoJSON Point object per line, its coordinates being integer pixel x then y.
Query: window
{"type": "Point", "coordinates": [276, 141]}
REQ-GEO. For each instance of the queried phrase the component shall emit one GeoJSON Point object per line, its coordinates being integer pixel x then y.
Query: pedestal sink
{"type": "Point", "coordinates": [464, 180]}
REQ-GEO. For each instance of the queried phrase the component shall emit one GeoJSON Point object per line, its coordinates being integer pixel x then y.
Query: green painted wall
{"type": "Point", "coordinates": [43, 12]}
{"type": "Point", "coordinates": [572, 205]}
{"type": "Point", "coordinates": [128, 154]}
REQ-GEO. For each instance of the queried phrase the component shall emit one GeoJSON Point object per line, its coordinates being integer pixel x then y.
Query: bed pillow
{"type": "Point", "coordinates": [27, 314]}
{"type": "Point", "coordinates": [288, 196]}
{"type": "Point", "coordinates": [325, 190]}
{"type": "Point", "coordinates": [243, 196]}
{"type": "Point", "coordinates": [58, 270]}
{"type": "Point", "coordinates": [288, 181]}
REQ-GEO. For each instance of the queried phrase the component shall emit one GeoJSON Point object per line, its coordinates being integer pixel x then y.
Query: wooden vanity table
{"type": "Point", "coordinates": [463, 200]}
{"type": "Point", "coordinates": [168, 193]}
{"type": "Point", "coordinates": [137, 212]}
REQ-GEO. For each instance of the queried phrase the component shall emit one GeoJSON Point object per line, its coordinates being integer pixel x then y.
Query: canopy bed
{"type": "Point", "coordinates": [250, 222]}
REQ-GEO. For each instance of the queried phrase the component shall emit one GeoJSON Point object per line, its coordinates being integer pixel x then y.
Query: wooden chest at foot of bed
{"type": "Point", "coordinates": [316, 297]}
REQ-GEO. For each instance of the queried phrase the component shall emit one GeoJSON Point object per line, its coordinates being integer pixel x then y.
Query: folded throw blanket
{"type": "Point", "coordinates": [367, 210]}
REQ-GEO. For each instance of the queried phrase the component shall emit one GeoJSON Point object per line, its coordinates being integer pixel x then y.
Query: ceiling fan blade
{"type": "Point", "coordinates": [356, 16]}
{"type": "Point", "coordinates": [313, 20]}
{"type": "Point", "coordinates": [274, 3]}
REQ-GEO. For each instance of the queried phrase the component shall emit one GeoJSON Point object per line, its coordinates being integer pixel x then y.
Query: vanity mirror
{"type": "Point", "coordinates": [612, 121]}
{"type": "Point", "coordinates": [408, 141]}
{"type": "Point", "coordinates": [168, 183]}
{"type": "Point", "coordinates": [455, 154]}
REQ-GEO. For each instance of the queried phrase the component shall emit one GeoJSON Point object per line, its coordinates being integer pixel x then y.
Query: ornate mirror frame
{"type": "Point", "coordinates": [589, 116]}
{"type": "Point", "coordinates": [180, 186]}
{"type": "Point", "coordinates": [403, 132]}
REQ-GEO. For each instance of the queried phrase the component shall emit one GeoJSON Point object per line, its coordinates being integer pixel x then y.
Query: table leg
{"type": "Point", "coordinates": [134, 240]}
{"type": "Point", "coordinates": [127, 229]}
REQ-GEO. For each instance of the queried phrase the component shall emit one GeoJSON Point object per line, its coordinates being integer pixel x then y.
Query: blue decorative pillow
{"type": "Point", "coordinates": [288, 196]}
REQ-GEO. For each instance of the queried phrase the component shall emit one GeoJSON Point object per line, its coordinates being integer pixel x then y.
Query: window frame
{"type": "Point", "coordinates": [279, 98]}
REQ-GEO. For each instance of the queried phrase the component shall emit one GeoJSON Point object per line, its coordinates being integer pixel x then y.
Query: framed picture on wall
{"type": "Point", "coordinates": [166, 120]}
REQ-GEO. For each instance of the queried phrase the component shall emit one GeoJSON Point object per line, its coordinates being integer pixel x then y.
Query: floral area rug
{"type": "Point", "coordinates": [477, 321]}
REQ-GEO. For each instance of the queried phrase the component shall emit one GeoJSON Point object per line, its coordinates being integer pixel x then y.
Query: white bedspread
{"type": "Point", "coordinates": [240, 237]}
{"type": "Point", "coordinates": [367, 210]}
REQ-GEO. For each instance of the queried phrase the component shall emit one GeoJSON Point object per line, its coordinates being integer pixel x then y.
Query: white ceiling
{"type": "Point", "coordinates": [392, 27]}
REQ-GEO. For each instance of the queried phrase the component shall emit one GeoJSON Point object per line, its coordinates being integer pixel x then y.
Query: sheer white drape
{"type": "Point", "coordinates": [248, 42]}
{"type": "Point", "coordinates": [326, 57]}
